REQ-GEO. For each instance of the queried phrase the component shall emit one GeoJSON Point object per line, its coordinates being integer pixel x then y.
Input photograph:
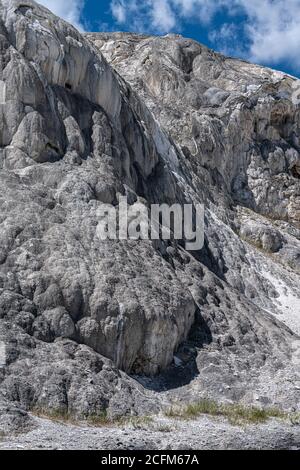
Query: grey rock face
{"type": "Point", "coordinates": [13, 419]}
{"type": "Point", "coordinates": [235, 122]}
{"type": "Point", "coordinates": [262, 236]}
{"type": "Point", "coordinates": [72, 139]}
{"type": "Point", "coordinates": [237, 128]}
{"type": "Point", "coordinates": [89, 134]}
{"type": "Point", "coordinates": [77, 314]}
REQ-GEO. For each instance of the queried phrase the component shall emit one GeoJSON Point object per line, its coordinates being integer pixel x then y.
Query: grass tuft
{"type": "Point", "coordinates": [54, 415]}
{"type": "Point", "coordinates": [236, 414]}
{"type": "Point", "coordinates": [139, 422]}
{"type": "Point", "coordinates": [295, 419]}
{"type": "Point", "coordinates": [164, 428]}
{"type": "Point", "coordinates": [100, 419]}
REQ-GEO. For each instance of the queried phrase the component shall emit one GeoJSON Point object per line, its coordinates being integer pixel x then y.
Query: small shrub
{"type": "Point", "coordinates": [238, 414]}
{"type": "Point", "coordinates": [99, 419]}
{"type": "Point", "coordinates": [173, 412]}
{"type": "Point", "coordinates": [204, 406]}
{"type": "Point", "coordinates": [164, 428]}
{"type": "Point", "coordinates": [295, 419]}
{"type": "Point", "coordinates": [53, 415]}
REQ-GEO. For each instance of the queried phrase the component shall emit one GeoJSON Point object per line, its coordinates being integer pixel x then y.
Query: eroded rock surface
{"type": "Point", "coordinates": [237, 127]}
{"type": "Point", "coordinates": [79, 317]}
{"type": "Point", "coordinates": [162, 433]}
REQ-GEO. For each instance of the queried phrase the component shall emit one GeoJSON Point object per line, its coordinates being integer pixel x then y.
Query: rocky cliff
{"type": "Point", "coordinates": [89, 325]}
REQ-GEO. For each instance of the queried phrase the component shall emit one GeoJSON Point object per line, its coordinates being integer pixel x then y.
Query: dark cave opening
{"type": "Point", "coordinates": [295, 170]}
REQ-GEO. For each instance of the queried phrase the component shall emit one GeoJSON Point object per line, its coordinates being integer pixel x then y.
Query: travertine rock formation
{"type": "Point", "coordinates": [237, 126]}
{"type": "Point", "coordinates": [235, 122]}
{"type": "Point", "coordinates": [174, 122]}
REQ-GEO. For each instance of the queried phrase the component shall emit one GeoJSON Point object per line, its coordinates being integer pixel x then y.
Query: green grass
{"type": "Point", "coordinates": [235, 413]}
{"type": "Point", "coordinates": [137, 422]}
{"type": "Point", "coordinates": [295, 419]}
{"type": "Point", "coordinates": [163, 428]}
{"type": "Point", "coordinates": [100, 419]}
{"type": "Point", "coordinates": [53, 414]}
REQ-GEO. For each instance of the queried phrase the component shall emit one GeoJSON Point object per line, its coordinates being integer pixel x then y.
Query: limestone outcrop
{"type": "Point", "coordinates": [88, 325]}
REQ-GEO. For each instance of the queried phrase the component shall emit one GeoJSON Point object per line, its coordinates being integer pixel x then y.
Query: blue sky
{"type": "Point", "coordinates": [262, 31]}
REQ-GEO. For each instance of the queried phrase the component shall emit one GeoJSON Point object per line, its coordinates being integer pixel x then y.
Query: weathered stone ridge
{"type": "Point", "coordinates": [69, 143]}
{"type": "Point", "coordinates": [85, 119]}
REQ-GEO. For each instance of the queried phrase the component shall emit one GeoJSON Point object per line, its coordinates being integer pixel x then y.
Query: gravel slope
{"type": "Point", "coordinates": [162, 434]}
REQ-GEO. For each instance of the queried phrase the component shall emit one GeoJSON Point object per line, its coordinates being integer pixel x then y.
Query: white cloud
{"type": "Point", "coordinates": [70, 10]}
{"type": "Point", "coordinates": [118, 10]}
{"type": "Point", "coordinates": [227, 39]}
{"type": "Point", "coordinates": [145, 16]}
{"type": "Point", "coordinates": [134, 14]}
{"type": "Point", "coordinates": [162, 15]}
{"type": "Point", "coordinates": [273, 29]}
{"type": "Point", "coordinates": [201, 10]}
